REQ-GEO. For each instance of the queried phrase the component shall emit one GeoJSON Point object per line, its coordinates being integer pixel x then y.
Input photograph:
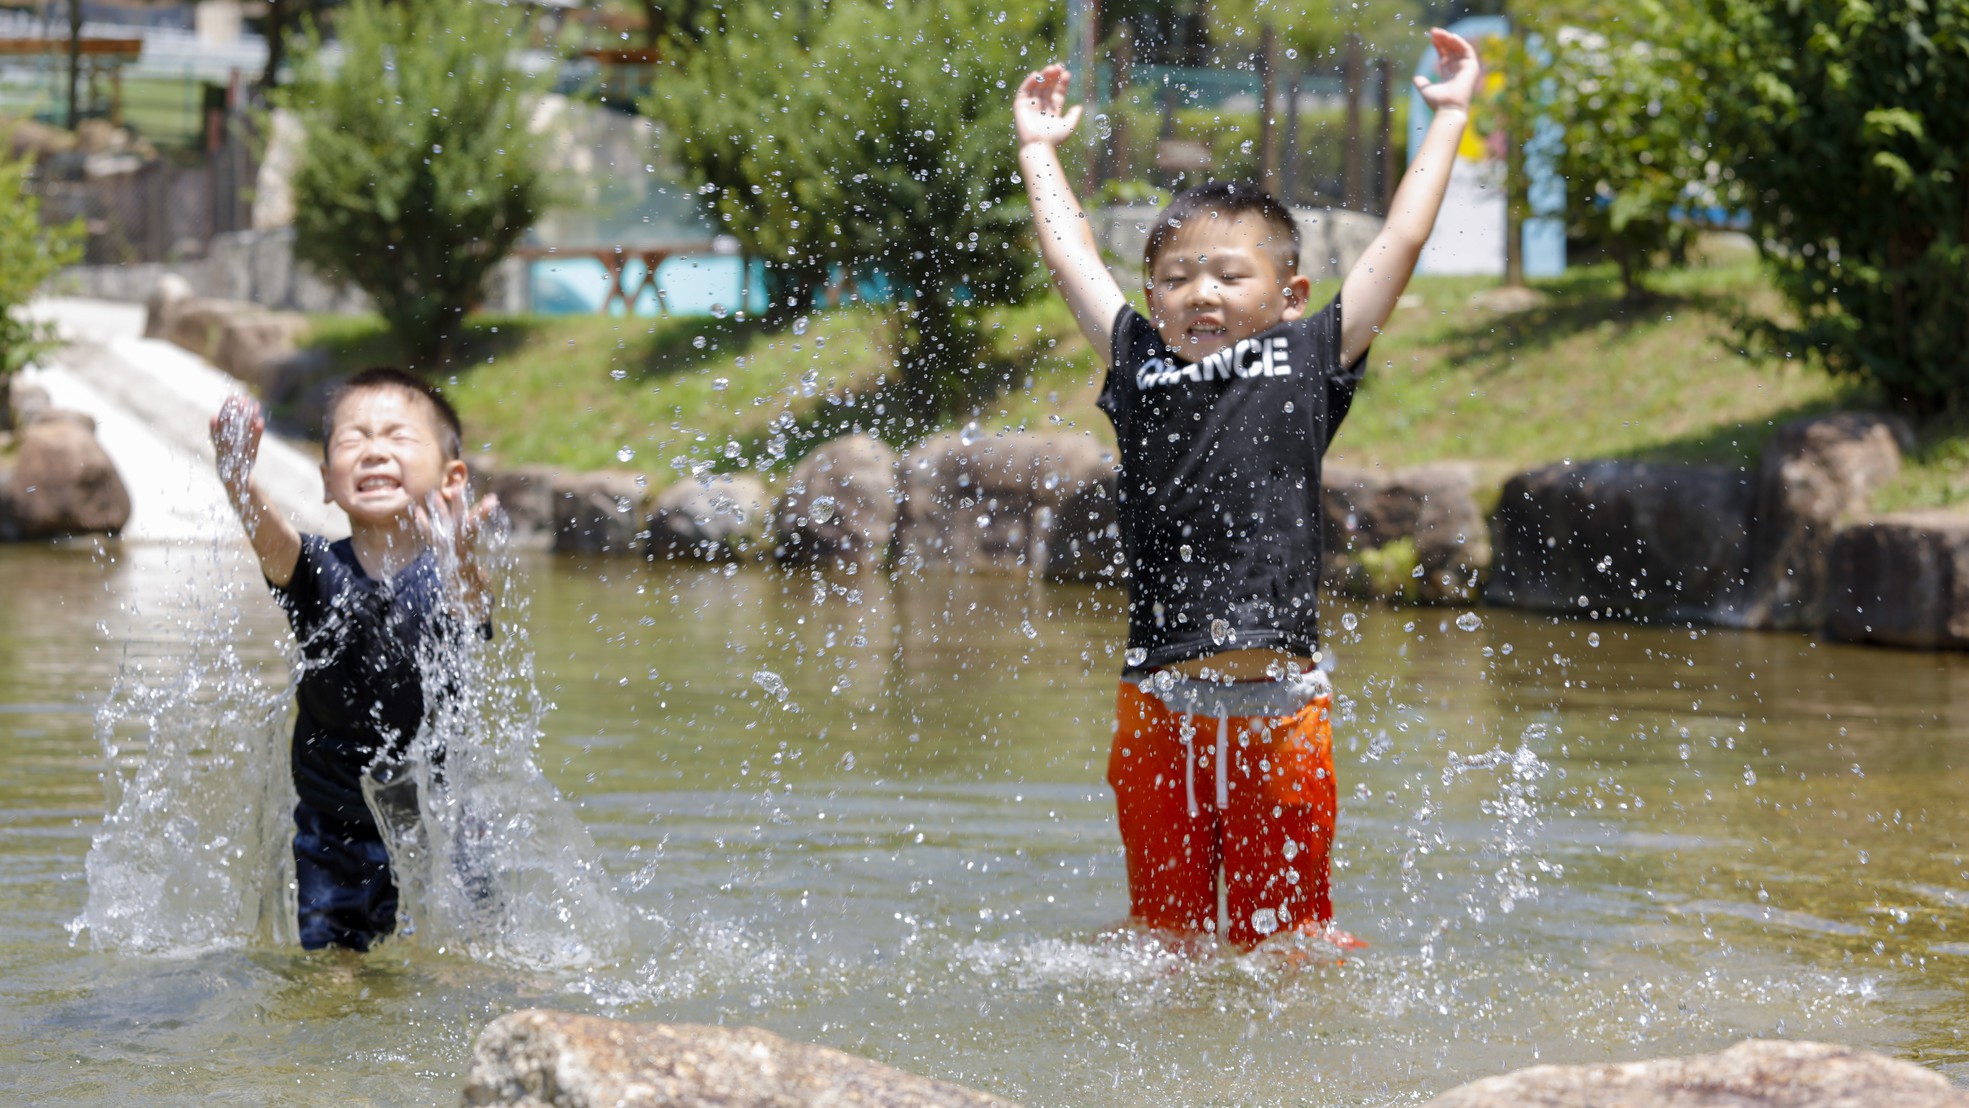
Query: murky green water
{"type": "Point", "coordinates": [1566, 841]}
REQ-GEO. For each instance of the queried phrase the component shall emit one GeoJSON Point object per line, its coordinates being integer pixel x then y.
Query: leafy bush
{"type": "Point", "coordinates": [33, 253]}
{"type": "Point", "coordinates": [419, 174]}
{"type": "Point", "coordinates": [1845, 120]}
{"type": "Point", "coordinates": [1634, 151]}
{"type": "Point", "coordinates": [870, 139]}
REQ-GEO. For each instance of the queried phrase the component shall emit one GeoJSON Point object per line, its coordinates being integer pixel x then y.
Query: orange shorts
{"type": "Point", "coordinates": [1251, 797]}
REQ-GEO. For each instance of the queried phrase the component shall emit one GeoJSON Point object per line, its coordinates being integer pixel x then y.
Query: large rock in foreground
{"type": "Point", "coordinates": [1769, 1074]}
{"type": "Point", "coordinates": [1629, 539]}
{"type": "Point", "coordinates": [537, 1059]}
{"type": "Point", "coordinates": [1903, 580]}
{"type": "Point", "coordinates": [60, 482]}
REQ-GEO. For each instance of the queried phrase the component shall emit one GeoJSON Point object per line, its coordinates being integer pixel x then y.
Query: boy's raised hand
{"type": "Point", "coordinates": [1457, 71]}
{"type": "Point", "coordinates": [1039, 110]}
{"type": "Point", "coordinates": [453, 527]}
{"type": "Point", "coordinates": [236, 432]}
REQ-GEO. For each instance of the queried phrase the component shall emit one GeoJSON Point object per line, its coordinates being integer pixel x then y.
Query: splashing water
{"type": "Point", "coordinates": [193, 852]}
{"type": "Point", "coordinates": [196, 851]}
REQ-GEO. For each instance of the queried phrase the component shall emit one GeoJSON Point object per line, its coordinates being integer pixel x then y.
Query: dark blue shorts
{"type": "Point", "coordinates": [346, 894]}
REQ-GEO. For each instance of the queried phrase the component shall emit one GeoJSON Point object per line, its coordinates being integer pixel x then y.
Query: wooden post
{"type": "Point", "coordinates": [1353, 193]}
{"type": "Point", "coordinates": [1392, 162]}
{"type": "Point", "coordinates": [74, 63]}
{"type": "Point", "coordinates": [1517, 128]}
{"type": "Point", "coordinates": [1289, 173]}
{"type": "Point", "coordinates": [1268, 136]}
{"type": "Point", "coordinates": [1117, 154]}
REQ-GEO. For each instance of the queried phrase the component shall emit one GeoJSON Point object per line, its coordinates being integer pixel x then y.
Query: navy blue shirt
{"type": "Point", "coordinates": [361, 692]}
{"type": "Point", "coordinates": [1220, 484]}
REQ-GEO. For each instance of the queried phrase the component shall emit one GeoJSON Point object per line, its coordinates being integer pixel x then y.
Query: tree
{"type": "Point", "coordinates": [870, 141]}
{"type": "Point", "coordinates": [1845, 120]}
{"type": "Point", "coordinates": [419, 175]}
{"type": "Point", "coordinates": [34, 253]}
{"type": "Point", "coordinates": [1635, 152]}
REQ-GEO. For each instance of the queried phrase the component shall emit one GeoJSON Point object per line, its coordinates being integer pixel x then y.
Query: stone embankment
{"type": "Point", "coordinates": [1791, 544]}
{"type": "Point", "coordinates": [543, 1059]}
{"type": "Point", "coordinates": [55, 478]}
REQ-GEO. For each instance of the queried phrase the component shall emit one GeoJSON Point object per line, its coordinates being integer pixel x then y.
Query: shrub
{"type": "Point", "coordinates": [33, 254]}
{"type": "Point", "coordinates": [419, 174]}
{"type": "Point", "coordinates": [1845, 121]}
{"type": "Point", "coordinates": [1634, 153]}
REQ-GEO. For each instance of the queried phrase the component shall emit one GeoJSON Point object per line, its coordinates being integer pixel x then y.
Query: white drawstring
{"type": "Point", "coordinates": [1223, 762]}
{"type": "Point", "coordinates": [1188, 731]}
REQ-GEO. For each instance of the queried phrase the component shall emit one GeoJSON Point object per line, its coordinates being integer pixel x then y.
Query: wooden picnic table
{"type": "Point", "coordinates": [616, 260]}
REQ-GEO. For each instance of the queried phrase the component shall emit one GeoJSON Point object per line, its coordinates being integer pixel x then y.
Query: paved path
{"type": "Point", "coordinates": [152, 402]}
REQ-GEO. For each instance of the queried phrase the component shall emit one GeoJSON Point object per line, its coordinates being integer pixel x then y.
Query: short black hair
{"type": "Point", "coordinates": [450, 431]}
{"type": "Point", "coordinates": [1227, 198]}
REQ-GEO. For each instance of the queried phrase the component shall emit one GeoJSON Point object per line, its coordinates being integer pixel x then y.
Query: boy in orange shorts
{"type": "Point", "coordinates": [1223, 401]}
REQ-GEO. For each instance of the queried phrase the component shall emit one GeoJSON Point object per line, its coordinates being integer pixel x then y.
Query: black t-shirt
{"type": "Point", "coordinates": [361, 690]}
{"type": "Point", "coordinates": [1220, 484]}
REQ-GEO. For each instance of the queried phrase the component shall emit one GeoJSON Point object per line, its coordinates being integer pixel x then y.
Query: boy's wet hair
{"type": "Point", "coordinates": [1228, 199]}
{"type": "Point", "coordinates": [451, 433]}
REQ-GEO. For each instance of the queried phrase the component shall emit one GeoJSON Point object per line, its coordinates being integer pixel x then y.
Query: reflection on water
{"type": "Point", "coordinates": [870, 813]}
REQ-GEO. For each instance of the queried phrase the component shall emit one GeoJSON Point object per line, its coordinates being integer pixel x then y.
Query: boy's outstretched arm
{"type": "Point", "coordinates": [1043, 121]}
{"type": "Point", "coordinates": [236, 432]}
{"type": "Point", "coordinates": [1368, 295]}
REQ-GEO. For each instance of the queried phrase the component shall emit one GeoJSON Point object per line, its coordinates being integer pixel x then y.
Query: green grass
{"type": "Point", "coordinates": [1584, 375]}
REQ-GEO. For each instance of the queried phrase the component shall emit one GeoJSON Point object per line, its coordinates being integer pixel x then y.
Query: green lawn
{"type": "Point", "coordinates": [1584, 375]}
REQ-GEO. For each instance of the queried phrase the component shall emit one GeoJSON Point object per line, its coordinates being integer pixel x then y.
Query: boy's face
{"type": "Point", "coordinates": [1217, 281]}
{"type": "Point", "coordinates": [385, 456]}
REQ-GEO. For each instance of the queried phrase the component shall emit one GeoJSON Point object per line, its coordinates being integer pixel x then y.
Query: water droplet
{"type": "Point", "coordinates": [1136, 656]}
{"type": "Point", "coordinates": [1592, 638]}
{"type": "Point", "coordinates": [1350, 621]}
{"type": "Point", "coordinates": [800, 326]}
{"type": "Point", "coordinates": [1219, 630]}
{"type": "Point", "coordinates": [1264, 921]}
{"type": "Point", "coordinates": [618, 374]}
{"type": "Point", "coordinates": [970, 434]}
{"type": "Point", "coordinates": [1469, 621]}
{"type": "Point", "coordinates": [1749, 776]}
{"type": "Point", "coordinates": [718, 311]}
{"type": "Point", "coordinates": [698, 342]}
{"type": "Point", "coordinates": [1185, 552]}
{"type": "Point", "coordinates": [774, 685]}
{"type": "Point", "coordinates": [822, 509]}
{"type": "Point", "coordinates": [1027, 629]}
{"type": "Point", "coordinates": [626, 454]}
{"type": "Point", "coordinates": [1103, 126]}
{"type": "Point", "coordinates": [721, 383]}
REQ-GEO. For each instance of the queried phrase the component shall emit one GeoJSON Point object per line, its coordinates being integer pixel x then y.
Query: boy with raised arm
{"type": "Point", "coordinates": [1223, 401]}
{"type": "Point", "coordinates": [361, 610]}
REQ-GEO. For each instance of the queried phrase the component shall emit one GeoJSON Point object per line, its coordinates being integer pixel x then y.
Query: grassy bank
{"type": "Point", "coordinates": [1583, 374]}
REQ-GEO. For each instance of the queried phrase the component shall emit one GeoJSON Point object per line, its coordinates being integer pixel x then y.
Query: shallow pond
{"type": "Point", "coordinates": [869, 813]}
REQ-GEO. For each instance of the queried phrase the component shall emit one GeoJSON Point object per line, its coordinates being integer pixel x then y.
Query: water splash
{"type": "Point", "coordinates": [193, 852]}
{"type": "Point", "coordinates": [196, 850]}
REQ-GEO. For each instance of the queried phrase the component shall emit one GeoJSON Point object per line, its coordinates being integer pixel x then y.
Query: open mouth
{"type": "Point", "coordinates": [377, 484]}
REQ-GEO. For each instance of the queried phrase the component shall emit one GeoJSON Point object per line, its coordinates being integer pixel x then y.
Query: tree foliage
{"type": "Point", "coordinates": [419, 174]}
{"type": "Point", "coordinates": [1846, 121]}
{"type": "Point", "coordinates": [1635, 145]}
{"type": "Point", "coordinates": [32, 253]}
{"type": "Point", "coordinates": [870, 142]}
